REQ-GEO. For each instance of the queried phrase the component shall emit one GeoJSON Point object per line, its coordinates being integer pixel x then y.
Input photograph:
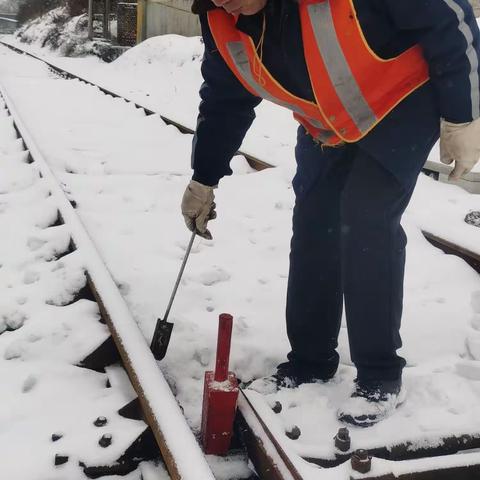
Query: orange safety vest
{"type": "Point", "coordinates": [354, 88]}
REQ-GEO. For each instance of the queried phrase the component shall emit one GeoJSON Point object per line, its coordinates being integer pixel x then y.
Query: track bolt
{"type": "Point", "coordinates": [342, 440]}
{"type": "Point", "coordinates": [361, 462]}
{"type": "Point", "coordinates": [56, 436]}
{"type": "Point", "coordinates": [100, 422]}
{"type": "Point", "coordinates": [106, 440]}
{"type": "Point", "coordinates": [60, 459]}
{"type": "Point", "coordinates": [293, 433]}
{"type": "Point", "coordinates": [277, 407]}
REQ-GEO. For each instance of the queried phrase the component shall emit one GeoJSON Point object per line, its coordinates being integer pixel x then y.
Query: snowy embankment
{"type": "Point", "coordinates": [63, 34]}
{"type": "Point", "coordinates": [127, 173]}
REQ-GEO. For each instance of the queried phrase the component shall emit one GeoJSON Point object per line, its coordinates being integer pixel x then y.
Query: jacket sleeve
{"type": "Point", "coordinates": [449, 36]}
{"type": "Point", "coordinates": [226, 112]}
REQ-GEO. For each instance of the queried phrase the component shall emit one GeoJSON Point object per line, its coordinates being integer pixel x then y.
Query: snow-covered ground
{"type": "Point", "coordinates": [127, 173]}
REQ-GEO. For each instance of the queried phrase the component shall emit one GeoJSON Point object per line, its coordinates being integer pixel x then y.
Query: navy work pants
{"type": "Point", "coordinates": [347, 247]}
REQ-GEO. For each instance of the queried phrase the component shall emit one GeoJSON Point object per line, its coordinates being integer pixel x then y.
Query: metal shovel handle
{"type": "Point", "coordinates": [163, 329]}
{"type": "Point", "coordinates": [180, 274]}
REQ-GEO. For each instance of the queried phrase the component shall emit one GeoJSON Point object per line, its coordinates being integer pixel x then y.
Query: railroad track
{"type": "Point", "coordinates": [253, 161]}
{"type": "Point", "coordinates": [158, 406]}
{"type": "Point", "coordinates": [154, 402]}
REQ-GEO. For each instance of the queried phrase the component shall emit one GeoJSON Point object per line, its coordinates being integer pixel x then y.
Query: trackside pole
{"type": "Point", "coordinates": [220, 395]}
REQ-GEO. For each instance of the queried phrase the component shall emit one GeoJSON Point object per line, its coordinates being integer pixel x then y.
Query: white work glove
{"type": "Point", "coordinates": [476, 7]}
{"type": "Point", "coordinates": [460, 143]}
{"type": "Point", "coordinates": [198, 207]}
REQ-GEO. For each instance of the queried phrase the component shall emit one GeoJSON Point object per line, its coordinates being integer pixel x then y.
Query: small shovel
{"type": "Point", "coordinates": [163, 329]}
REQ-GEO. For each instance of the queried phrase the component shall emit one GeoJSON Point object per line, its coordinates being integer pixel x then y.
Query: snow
{"type": "Point", "coordinates": [44, 335]}
{"type": "Point", "coordinates": [128, 194]}
{"type": "Point", "coordinates": [156, 394]}
{"type": "Point", "coordinates": [163, 74]}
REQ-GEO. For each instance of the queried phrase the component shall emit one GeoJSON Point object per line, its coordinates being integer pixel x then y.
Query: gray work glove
{"type": "Point", "coordinates": [460, 143]}
{"type": "Point", "coordinates": [198, 207]}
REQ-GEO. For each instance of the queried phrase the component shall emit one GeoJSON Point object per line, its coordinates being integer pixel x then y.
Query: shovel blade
{"type": "Point", "coordinates": [161, 339]}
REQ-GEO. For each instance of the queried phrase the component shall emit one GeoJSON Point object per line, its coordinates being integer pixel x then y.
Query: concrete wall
{"type": "Point", "coordinates": [8, 23]}
{"type": "Point", "coordinates": [158, 17]}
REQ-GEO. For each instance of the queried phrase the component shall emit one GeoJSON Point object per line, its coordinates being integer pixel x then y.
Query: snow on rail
{"type": "Point", "coordinates": [177, 443]}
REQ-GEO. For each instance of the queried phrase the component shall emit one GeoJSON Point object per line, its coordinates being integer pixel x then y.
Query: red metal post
{"type": "Point", "coordinates": [224, 341]}
{"type": "Point", "coordinates": [220, 395]}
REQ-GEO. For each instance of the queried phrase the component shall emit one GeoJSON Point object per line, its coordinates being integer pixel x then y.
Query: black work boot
{"type": "Point", "coordinates": [371, 402]}
{"type": "Point", "coordinates": [290, 375]}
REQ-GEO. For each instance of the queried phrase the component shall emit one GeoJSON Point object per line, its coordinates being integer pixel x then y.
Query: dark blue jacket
{"type": "Point", "coordinates": [447, 32]}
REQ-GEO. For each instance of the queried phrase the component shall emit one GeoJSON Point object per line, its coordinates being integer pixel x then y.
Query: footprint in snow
{"type": "Point", "coordinates": [214, 276]}
{"type": "Point", "coordinates": [240, 325]}
{"type": "Point", "coordinates": [203, 356]}
{"type": "Point", "coordinates": [15, 320]}
{"type": "Point", "coordinates": [35, 244]}
{"type": "Point", "coordinates": [124, 288]}
{"type": "Point", "coordinates": [29, 384]}
{"type": "Point", "coordinates": [453, 411]}
{"type": "Point", "coordinates": [475, 301]}
{"type": "Point", "coordinates": [469, 369]}
{"type": "Point", "coordinates": [30, 277]}
{"type": "Point", "coordinates": [473, 345]}
{"type": "Point", "coordinates": [57, 266]}
{"type": "Point", "coordinates": [34, 337]}
{"type": "Point", "coordinates": [13, 351]}
{"type": "Point", "coordinates": [21, 300]}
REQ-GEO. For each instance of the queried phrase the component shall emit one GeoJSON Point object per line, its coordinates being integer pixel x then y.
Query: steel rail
{"type": "Point", "coordinates": [180, 450]}
{"type": "Point", "coordinates": [253, 161]}
{"type": "Point", "coordinates": [273, 459]}
{"type": "Point", "coordinates": [472, 258]}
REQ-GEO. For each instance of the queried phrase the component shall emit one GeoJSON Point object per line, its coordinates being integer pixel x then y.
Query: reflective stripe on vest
{"type": "Point", "coordinates": [239, 57]}
{"type": "Point", "coordinates": [338, 69]}
{"type": "Point", "coordinates": [239, 53]}
{"type": "Point", "coordinates": [354, 88]}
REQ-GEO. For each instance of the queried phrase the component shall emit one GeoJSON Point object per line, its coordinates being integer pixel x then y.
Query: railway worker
{"type": "Point", "coordinates": [366, 128]}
